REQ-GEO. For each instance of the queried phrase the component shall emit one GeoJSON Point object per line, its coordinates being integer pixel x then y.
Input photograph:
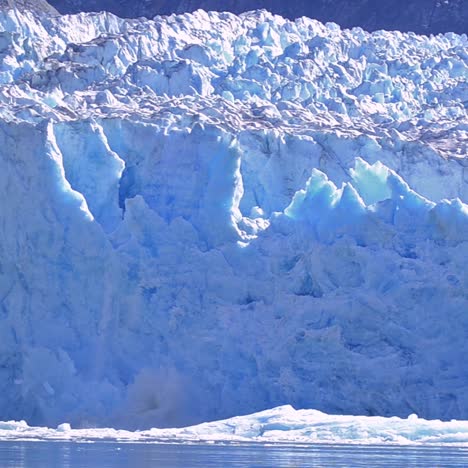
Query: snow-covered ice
{"type": "Point", "coordinates": [207, 215]}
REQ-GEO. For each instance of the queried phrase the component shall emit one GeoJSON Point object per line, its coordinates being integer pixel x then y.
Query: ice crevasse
{"type": "Point", "coordinates": [207, 215]}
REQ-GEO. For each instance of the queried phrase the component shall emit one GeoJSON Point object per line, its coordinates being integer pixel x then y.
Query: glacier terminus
{"type": "Point", "coordinates": [206, 215]}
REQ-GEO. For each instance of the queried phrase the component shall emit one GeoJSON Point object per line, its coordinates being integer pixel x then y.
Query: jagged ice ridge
{"type": "Point", "coordinates": [206, 215]}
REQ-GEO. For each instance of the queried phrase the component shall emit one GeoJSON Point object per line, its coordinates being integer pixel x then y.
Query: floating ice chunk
{"type": "Point", "coordinates": [64, 427]}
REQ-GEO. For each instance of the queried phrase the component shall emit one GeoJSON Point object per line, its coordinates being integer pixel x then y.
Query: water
{"type": "Point", "coordinates": [126, 455]}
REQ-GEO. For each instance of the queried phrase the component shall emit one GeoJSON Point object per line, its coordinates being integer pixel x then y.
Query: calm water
{"type": "Point", "coordinates": [115, 455]}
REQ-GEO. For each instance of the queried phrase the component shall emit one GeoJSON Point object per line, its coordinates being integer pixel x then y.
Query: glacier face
{"type": "Point", "coordinates": [207, 214]}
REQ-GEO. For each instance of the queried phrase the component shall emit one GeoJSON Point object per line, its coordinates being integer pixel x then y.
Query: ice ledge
{"type": "Point", "coordinates": [283, 424]}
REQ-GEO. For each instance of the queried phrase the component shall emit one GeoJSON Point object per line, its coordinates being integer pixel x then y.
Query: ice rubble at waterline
{"type": "Point", "coordinates": [282, 425]}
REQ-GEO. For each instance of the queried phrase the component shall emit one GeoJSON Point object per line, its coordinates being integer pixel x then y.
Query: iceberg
{"type": "Point", "coordinates": [207, 215]}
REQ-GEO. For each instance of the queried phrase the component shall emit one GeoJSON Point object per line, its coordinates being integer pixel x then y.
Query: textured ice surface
{"type": "Point", "coordinates": [420, 16]}
{"type": "Point", "coordinates": [208, 215]}
{"type": "Point", "coordinates": [283, 425]}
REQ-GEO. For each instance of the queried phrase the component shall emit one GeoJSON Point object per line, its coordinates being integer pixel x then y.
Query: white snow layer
{"type": "Point", "coordinates": [283, 425]}
{"type": "Point", "coordinates": [207, 215]}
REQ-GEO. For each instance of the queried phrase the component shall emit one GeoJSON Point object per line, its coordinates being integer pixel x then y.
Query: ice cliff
{"type": "Point", "coordinates": [206, 215]}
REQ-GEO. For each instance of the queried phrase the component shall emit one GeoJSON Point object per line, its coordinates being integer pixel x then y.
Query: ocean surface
{"type": "Point", "coordinates": [27, 454]}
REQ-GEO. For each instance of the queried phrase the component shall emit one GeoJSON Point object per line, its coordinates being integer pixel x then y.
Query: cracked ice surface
{"type": "Point", "coordinates": [207, 215]}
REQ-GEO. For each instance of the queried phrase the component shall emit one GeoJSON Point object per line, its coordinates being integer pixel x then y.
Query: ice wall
{"type": "Point", "coordinates": [206, 215]}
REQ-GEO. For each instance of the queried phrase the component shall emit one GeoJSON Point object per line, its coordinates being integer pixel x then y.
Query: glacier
{"type": "Point", "coordinates": [207, 215]}
{"type": "Point", "coordinates": [420, 16]}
